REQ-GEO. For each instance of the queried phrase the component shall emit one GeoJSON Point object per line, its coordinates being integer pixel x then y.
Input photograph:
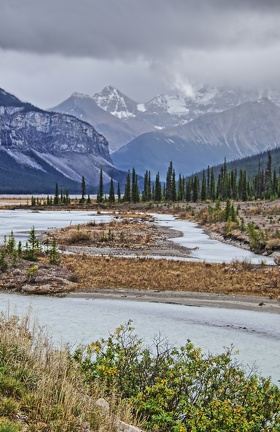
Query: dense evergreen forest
{"type": "Point", "coordinates": [255, 177]}
{"type": "Point", "coordinates": [247, 179]}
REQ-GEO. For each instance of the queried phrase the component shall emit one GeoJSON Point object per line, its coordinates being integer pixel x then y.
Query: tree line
{"type": "Point", "coordinates": [233, 184]}
{"type": "Point", "coordinates": [228, 184]}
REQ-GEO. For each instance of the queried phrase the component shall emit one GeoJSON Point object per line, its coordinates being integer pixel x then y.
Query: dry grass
{"type": "Point", "coordinates": [128, 232]}
{"type": "Point", "coordinates": [265, 216]}
{"type": "Point", "coordinates": [143, 273]}
{"type": "Point", "coordinates": [40, 390]}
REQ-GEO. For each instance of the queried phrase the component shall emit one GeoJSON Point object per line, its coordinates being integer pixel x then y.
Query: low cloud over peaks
{"type": "Point", "coordinates": [219, 40]}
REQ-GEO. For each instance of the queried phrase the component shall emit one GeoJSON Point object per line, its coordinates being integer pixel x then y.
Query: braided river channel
{"type": "Point", "coordinates": [256, 335]}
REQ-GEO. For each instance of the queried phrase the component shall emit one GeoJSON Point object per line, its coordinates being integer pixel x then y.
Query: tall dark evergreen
{"type": "Point", "coordinates": [196, 189]}
{"type": "Point", "coordinates": [169, 190]}
{"type": "Point", "coordinates": [208, 182]}
{"type": "Point", "coordinates": [83, 187]}
{"type": "Point", "coordinates": [181, 188]}
{"type": "Point", "coordinates": [203, 187]}
{"type": "Point", "coordinates": [100, 188]}
{"type": "Point", "coordinates": [212, 185]}
{"type": "Point", "coordinates": [127, 188]}
{"type": "Point", "coordinates": [119, 193]}
{"type": "Point", "coordinates": [268, 176]}
{"type": "Point", "coordinates": [189, 189]}
{"type": "Point", "coordinates": [134, 188]}
{"type": "Point", "coordinates": [112, 192]}
{"type": "Point", "coordinates": [56, 195]}
{"type": "Point", "coordinates": [174, 190]}
{"type": "Point", "coordinates": [157, 193]}
{"type": "Point", "coordinates": [147, 193]}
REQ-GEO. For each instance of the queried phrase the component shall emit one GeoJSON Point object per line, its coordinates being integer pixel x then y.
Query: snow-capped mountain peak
{"type": "Point", "coordinates": [80, 95]}
{"type": "Point", "coordinates": [112, 100]}
{"type": "Point", "coordinates": [174, 105]}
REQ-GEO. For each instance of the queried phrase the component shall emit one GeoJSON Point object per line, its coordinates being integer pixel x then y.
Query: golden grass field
{"type": "Point", "coordinates": [143, 273]}
{"type": "Point", "coordinates": [133, 233]}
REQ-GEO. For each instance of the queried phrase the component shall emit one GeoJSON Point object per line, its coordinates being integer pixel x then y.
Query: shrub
{"type": "Point", "coordinates": [180, 389]}
{"type": "Point", "coordinates": [79, 236]}
{"type": "Point", "coordinates": [53, 254]}
{"type": "Point", "coordinates": [43, 386]}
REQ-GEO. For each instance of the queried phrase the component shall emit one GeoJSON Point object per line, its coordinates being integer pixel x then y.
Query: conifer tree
{"type": "Point", "coordinates": [134, 188]}
{"type": "Point", "coordinates": [203, 187]}
{"type": "Point", "coordinates": [100, 193]}
{"type": "Point", "coordinates": [119, 193]}
{"type": "Point", "coordinates": [83, 186]}
{"type": "Point", "coordinates": [196, 189]}
{"type": "Point", "coordinates": [189, 189]}
{"type": "Point", "coordinates": [56, 195]}
{"type": "Point", "coordinates": [127, 188]}
{"type": "Point", "coordinates": [168, 186]}
{"type": "Point", "coordinates": [174, 191]}
{"type": "Point", "coordinates": [157, 193]}
{"type": "Point", "coordinates": [212, 185]}
{"type": "Point", "coordinates": [181, 188]}
{"type": "Point", "coordinates": [147, 194]}
{"type": "Point", "coordinates": [111, 192]}
{"type": "Point", "coordinates": [208, 182]}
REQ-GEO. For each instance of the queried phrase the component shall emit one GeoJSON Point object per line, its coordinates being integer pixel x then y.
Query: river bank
{"type": "Point", "coordinates": [197, 299]}
{"type": "Point", "coordinates": [118, 251]}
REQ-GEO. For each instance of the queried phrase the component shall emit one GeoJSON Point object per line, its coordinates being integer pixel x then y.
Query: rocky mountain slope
{"type": "Point", "coordinates": [121, 119]}
{"type": "Point", "coordinates": [35, 144]}
{"type": "Point", "coordinates": [245, 130]}
{"type": "Point", "coordinates": [117, 132]}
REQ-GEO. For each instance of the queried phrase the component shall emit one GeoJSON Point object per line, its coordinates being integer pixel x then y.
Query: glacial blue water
{"type": "Point", "coordinates": [77, 320]}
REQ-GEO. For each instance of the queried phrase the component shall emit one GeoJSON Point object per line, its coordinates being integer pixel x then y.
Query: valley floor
{"type": "Point", "coordinates": [109, 260]}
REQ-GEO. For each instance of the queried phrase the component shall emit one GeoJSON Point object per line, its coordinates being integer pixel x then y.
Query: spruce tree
{"type": "Point", "coordinates": [212, 185]}
{"type": "Point", "coordinates": [168, 185]}
{"type": "Point", "coordinates": [119, 193]}
{"type": "Point", "coordinates": [127, 188]}
{"type": "Point", "coordinates": [174, 191]}
{"type": "Point", "coordinates": [157, 194]}
{"type": "Point", "coordinates": [181, 188]}
{"type": "Point", "coordinates": [100, 188]}
{"type": "Point", "coordinates": [83, 187]}
{"type": "Point", "coordinates": [56, 195]}
{"type": "Point", "coordinates": [134, 188]}
{"type": "Point", "coordinates": [203, 187]}
{"type": "Point", "coordinates": [189, 189]}
{"type": "Point", "coordinates": [196, 189]}
{"type": "Point", "coordinates": [111, 192]}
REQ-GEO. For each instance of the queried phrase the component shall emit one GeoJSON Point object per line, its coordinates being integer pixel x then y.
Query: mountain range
{"type": "Point", "coordinates": [39, 148]}
{"type": "Point", "coordinates": [192, 131]}
{"type": "Point", "coordinates": [66, 142]}
{"type": "Point", "coordinates": [242, 131]}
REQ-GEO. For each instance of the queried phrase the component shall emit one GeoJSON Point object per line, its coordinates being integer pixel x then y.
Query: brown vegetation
{"type": "Point", "coordinates": [143, 273]}
{"type": "Point", "coordinates": [263, 215]}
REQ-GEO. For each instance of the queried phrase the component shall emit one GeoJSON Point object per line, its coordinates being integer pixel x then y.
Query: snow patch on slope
{"type": "Point", "coordinates": [141, 107]}
{"type": "Point", "coordinates": [23, 159]}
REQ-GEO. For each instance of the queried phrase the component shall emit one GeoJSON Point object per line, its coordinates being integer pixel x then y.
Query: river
{"type": "Point", "coordinates": [78, 320]}
{"type": "Point", "coordinates": [255, 335]}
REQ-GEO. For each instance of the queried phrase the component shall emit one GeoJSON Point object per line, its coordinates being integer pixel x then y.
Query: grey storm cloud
{"type": "Point", "coordinates": [51, 47]}
{"type": "Point", "coordinates": [149, 29]}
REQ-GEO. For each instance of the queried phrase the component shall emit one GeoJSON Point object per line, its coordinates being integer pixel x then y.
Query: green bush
{"type": "Point", "coordinates": [180, 389]}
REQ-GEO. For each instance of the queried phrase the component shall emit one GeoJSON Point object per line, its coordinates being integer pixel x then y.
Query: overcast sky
{"type": "Point", "coordinates": [51, 48]}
